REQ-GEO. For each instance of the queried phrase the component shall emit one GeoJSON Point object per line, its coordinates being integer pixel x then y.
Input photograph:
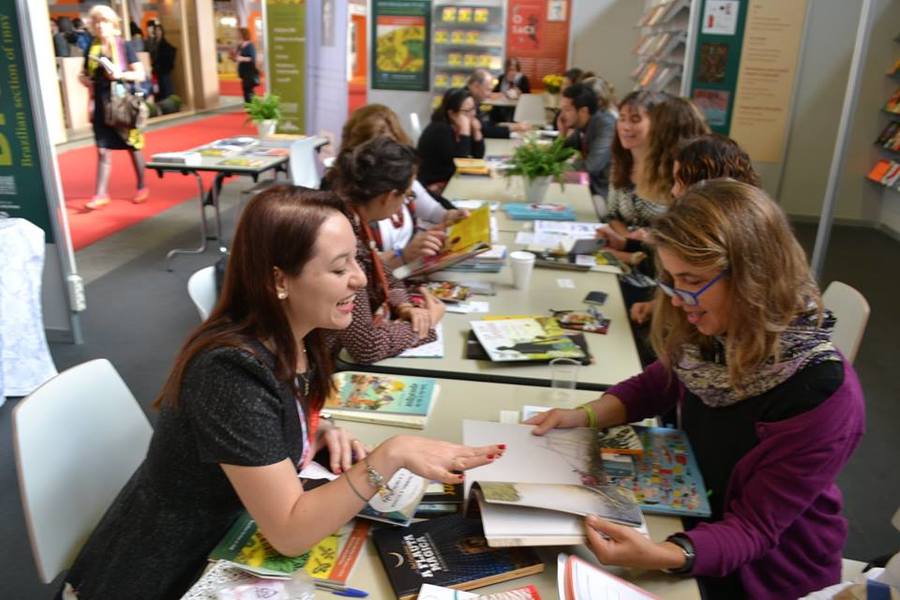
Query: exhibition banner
{"type": "Point", "coordinates": [286, 60]}
{"type": "Point", "coordinates": [537, 33]}
{"type": "Point", "coordinates": [401, 32]}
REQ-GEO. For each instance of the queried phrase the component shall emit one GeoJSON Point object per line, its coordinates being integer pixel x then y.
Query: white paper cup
{"type": "Point", "coordinates": [522, 264]}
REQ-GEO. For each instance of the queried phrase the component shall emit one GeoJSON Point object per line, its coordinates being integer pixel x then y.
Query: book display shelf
{"type": "Point", "coordinates": [662, 46]}
{"type": "Point", "coordinates": [465, 36]}
{"type": "Point", "coordinates": [886, 170]}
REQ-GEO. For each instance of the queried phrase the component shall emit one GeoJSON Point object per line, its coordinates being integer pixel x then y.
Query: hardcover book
{"type": "Point", "coordinates": [580, 320]}
{"type": "Point", "coordinates": [331, 559]}
{"type": "Point", "coordinates": [471, 166]}
{"type": "Point", "coordinates": [621, 439]}
{"type": "Point", "coordinates": [448, 551]}
{"type": "Point", "coordinates": [448, 291]}
{"type": "Point", "coordinates": [523, 211]}
{"type": "Point", "coordinates": [376, 398]}
{"type": "Point", "coordinates": [525, 339]}
{"type": "Point", "coordinates": [465, 238]}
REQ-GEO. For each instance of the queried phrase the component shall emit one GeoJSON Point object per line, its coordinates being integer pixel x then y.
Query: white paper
{"type": "Point", "coordinates": [473, 204]}
{"type": "Point", "coordinates": [720, 17]}
{"type": "Point", "coordinates": [433, 349]}
{"type": "Point", "coordinates": [473, 306]}
{"type": "Point", "coordinates": [573, 229]}
{"type": "Point", "coordinates": [434, 592]}
{"type": "Point", "coordinates": [509, 416]}
{"type": "Point", "coordinates": [586, 260]}
{"type": "Point", "coordinates": [566, 284]}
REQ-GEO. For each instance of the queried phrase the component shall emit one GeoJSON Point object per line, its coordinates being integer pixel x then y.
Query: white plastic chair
{"type": "Point", "coordinates": [415, 126]}
{"type": "Point", "coordinates": [202, 290]}
{"type": "Point", "coordinates": [852, 312]}
{"type": "Point", "coordinates": [303, 163]}
{"type": "Point", "coordinates": [78, 438]}
{"type": "Point", "coordinates": [530, 109]}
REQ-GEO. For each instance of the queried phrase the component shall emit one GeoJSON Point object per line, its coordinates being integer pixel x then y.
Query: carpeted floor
{"type": "Point", "coordinates": [78, 170]}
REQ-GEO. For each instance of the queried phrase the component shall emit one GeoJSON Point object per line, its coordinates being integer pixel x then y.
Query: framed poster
{"type": "Point", "coordinates": [537, 33]}
{"type": "Point", "coordinates": [401, 32]}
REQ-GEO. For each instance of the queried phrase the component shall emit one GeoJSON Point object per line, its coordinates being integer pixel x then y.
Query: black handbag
{"type": "Point", "coordinates": [125, 109]}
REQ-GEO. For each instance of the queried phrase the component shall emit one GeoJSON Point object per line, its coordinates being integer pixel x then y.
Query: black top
{"type": "Point", "coordinates": [489, 129]}
{"type": "Point", "coordinates": [163, 56]}
{"type": "Point", "coordinates": [520, 82]}
{"type": "Point", "coordinates": [102, 83]}
{"type": "Point", "coordinates": [247, 69]}
{"type": "Point", "coordinates": [154, 539]}
{"type": "Point", "coordinates": [438, 146]}
{"type": "Point", "coordinates": [721, 436]}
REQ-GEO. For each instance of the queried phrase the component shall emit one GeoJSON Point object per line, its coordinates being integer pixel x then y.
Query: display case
{"type": "Point", "coordinates": [886, 170]}
{"type": "Point", "coordinates": [466, 35]}
{"type": "Point", "coordinates": [662, 46]}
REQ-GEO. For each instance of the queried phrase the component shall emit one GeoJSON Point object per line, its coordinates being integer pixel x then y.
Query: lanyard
{"type": "Point", "coordinates": [369, 239]}
{"type": "Point", "coordinates": [308, 434]}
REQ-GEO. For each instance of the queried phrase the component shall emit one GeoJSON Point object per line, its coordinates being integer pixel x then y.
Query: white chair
{"type": "Point", "coordinates": [415, 126]}
{"type": "Point", "coordinates": [202, 290]}
{"type": "Point", "coordinates": [852, 312]}
{"type": "Point", "coordinates": [77, 438]}
{"type": "Point", "coordinates": [304, 168]}
{"type": "Point", "coordinates": [530, 109]}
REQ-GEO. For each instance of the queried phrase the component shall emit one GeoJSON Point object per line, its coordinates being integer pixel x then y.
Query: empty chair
{"type": "Point", "coordinates": [852, 312]}
{"type": "Point", "coordinates": [415, 126]}
{"type": "Point", "coordinates": [530, 109]}
{"type": "Point", "coordinates": [77, 438]}
{"type": "Point", "coordinates": [304, 166]}
{"type": "Point", "coordinates": [202, 290]}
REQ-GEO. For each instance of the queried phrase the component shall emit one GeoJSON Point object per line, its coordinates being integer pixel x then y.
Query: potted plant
{"type": "Point", "coordinates": [265, 111]}
{"type": "Point", "coordinates": [552, 84]}
{"type": "Point", "coordinates": [538, 163]}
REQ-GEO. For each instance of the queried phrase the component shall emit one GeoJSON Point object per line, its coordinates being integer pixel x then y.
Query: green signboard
{"type": "Point", "coordinates": [401, 34]}
{"type": "Point", "coordinates": [22, 191]}
{"type": "Point", "coordinates": [720, 37]}
{"type": "Point", "coordinates": [286, 57]}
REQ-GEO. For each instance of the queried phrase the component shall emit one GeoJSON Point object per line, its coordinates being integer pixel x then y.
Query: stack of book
{"type": "Point", "coordinates": [465, 239]}
{"type": "Point", "coordinates": [547, 211]}
{"type": "Point", "coordinates": [490, 261]}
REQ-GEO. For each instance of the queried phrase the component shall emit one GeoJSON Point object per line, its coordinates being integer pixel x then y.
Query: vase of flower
{"type": "Point", "coordinates": [536, 189]}
{"type": "Point", "coordinates": [265, 111]}
{"type": "Point", "coordinates": [552, 84]}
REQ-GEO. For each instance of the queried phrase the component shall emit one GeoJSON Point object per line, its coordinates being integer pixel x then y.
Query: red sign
{"type": "Point", "coordinates": [537, 33]}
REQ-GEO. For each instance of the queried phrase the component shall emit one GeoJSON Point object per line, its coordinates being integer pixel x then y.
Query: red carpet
{"type": "Point", "coordinates": [78, 170]}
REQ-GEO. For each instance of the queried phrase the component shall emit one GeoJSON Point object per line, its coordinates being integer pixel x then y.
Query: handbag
{"type": "Point", "coordinates": [125, 109]}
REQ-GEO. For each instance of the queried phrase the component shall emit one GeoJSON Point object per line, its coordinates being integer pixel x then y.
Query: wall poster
{"type": "Point", "coordinates": [537, 33]}
{"type": "Point", "coordinates": [401, 32]}
{"type": "Point", "coordinates": [286, 60]}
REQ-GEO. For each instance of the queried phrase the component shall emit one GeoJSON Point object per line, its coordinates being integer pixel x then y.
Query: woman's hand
{"type": "Point", "coordinates": [613, 239]}
{"type": "Point", "coordinates": [475, 124]}
{"type": "Point", "coordinates": [614, 544]}
{"type": "Point", "coordinates": [434, 306]}
{"type": "Point", "coordinates": [640, 311]}
{"type": "Point", "coordinates": [641, 234]}
{"type": "Point", "coordinates": [418, 318]}
{"type": "Point", "coordinates": [454, 216]}
{"type": "Point", "coordinates": [424, 243]}
{"type": "Point", "coordinates": [438, 460]}
{"type": "Point", "coordinates": [462, 123]}
{"type": "Point", "coordinates": [557, 418]}
{"type": "Point", "coordinates": [343, 448]}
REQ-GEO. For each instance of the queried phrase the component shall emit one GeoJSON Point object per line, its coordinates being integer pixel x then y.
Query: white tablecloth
{"type": "Point", "coordinates": [25, 361]}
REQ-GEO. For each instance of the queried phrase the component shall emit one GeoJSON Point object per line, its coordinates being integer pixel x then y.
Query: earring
{"type": "Point", "coordinates": [282, 295]}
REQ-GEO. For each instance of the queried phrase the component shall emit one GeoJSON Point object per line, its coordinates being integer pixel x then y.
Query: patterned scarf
{"type": "Point", "coordinates": [803, 343]}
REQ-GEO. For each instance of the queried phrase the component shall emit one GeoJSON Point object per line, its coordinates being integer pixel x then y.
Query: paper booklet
{"type": "Point", "coordinates": [388, 399]}
{"type": "Point", "coordinates": [435, 592]}
{"type": "Point", "coordinates": [577, 579]}
{"type": "Point", "coordinates": [525, 339]}
{"type": "Point", "coordinates": [433, 349]}
{"type": "Point", "coordinates": [465, 238]}
{"type": "Point", "coordinates": [332, 559]}
{"type": "Point", "coordinates": [537, 494]}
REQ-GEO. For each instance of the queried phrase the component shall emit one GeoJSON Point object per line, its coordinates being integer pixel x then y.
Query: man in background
{"type": "Point", "coordinates": [481, 86]}
{"type": "Point", "coordinates": [590, 131]}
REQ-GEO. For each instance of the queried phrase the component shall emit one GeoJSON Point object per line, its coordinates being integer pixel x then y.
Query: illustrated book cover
{"type": "Point", "coordinates": [332, 559]}
{"type": "Point", "coordinates": [525, 339]}
{"type": "Point", "coordinates": [547, 211]}
{"type": "Point", "coordinates": [621, 439]}
{"type": "Point", "coordinates": [448, 551]}
{"type": "Point", "coordinates": [466, 238]}
{"type": "Point", "coordinates": [377, 398]}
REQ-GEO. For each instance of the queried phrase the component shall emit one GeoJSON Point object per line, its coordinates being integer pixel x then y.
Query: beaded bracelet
{"type": "Point", "coordinates": [593, 422]}
{"type": "Point", "coordinates": [355, 491]}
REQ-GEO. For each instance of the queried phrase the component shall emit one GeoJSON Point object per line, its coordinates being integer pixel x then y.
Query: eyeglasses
{"type": "Point", "coordinates": [467, 110]}
{"type": "Point", "coordinates": [409, 196]}
{"type": "Point", "coordinates": [689, 298]}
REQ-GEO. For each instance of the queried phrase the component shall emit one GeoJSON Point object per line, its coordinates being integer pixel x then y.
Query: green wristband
{"type": "Point", "coordinates": [591, 415]}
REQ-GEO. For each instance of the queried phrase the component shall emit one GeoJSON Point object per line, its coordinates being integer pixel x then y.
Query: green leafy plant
{"type": "Point", "coordinates": [263, 108]}
{"type": "Point", "coordinates": [535, 159]}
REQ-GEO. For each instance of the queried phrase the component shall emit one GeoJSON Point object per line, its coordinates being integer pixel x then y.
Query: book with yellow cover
{"type": "Point", "coordinates": [465, 239]}
{"type": "Point", "coordinates": [471, 166]}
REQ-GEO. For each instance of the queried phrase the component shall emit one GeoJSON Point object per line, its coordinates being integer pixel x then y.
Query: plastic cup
{"type": "Point", "coordinates": [522, 264]}
{"type": "Point", "coordinates": [563, 379]}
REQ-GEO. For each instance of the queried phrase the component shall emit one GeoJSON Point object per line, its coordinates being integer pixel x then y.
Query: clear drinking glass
{"type": "Point", "coordinates": [564, 377]}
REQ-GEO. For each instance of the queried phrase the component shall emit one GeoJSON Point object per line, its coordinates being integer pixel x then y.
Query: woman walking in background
{"type": "Point", "coordinates": [246, 61]}
{"type": "Point", "coordinates": [124, 68]}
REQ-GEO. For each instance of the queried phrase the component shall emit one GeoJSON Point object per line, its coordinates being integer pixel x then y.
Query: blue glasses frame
{"type": "Point", "coordinates": [689, 298]}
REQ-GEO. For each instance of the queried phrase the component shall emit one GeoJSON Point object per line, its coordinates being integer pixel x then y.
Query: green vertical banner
{"type": "Point", "coordinates": [720, 37]}
{"type": "Point", "coordinates": [286, 57]}
{"type": "Point", "coordinates": [22, 191]}
{"type": "Point", "coordinates": [401, 41]}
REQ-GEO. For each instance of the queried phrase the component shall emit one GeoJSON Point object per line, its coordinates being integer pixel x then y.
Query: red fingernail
{"type": "Point", "coordinates": [490, 457]}
{"type": "Point", "coordinates": [461, 476]}
{"type": "Point", "coordinates": [501, 446]}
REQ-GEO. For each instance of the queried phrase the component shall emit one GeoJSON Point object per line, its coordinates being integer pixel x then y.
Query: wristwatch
{"type": "Point", "coordinates": [683, 542]}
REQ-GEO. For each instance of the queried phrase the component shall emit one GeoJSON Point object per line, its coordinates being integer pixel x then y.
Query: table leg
{"type": "Point", "coordinates": [202, 248]}
{"type": "Point", "coordinates": [215, 201]}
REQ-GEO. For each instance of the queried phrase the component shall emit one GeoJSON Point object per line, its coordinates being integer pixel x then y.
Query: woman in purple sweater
{"type": "Point", "coordinates": [772, 409]}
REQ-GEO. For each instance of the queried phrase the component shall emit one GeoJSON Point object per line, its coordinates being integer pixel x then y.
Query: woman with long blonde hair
{"type": "Point", "coordinates": [772, 409]}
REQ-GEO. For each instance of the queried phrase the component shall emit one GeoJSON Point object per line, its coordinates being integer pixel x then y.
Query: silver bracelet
{"type": "Point", "coordinates": [355, 491]}
{"type": "Point", "coordinates": [377, 480]}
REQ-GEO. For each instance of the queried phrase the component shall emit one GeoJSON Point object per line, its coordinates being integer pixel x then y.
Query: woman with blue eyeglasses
{"type": "Point", "coordinates": [772, 409]}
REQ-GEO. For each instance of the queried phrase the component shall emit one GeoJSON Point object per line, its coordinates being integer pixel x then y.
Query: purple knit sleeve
{"type": "Point", "coordinates": [650, 393]}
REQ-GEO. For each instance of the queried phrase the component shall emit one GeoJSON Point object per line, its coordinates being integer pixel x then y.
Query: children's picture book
{"type": "Point", "coordinates": [451, 552]}
{"type": "Point", "coordinates": [376, 398]}
{"type": "Point", "coordinates": [465, 238]}
{"type": "Point", "coordinates": [525, 339]}
{"type": "Point", "coordinates": [471, 166]}
{"type": "Point", "coordinates": [665, 479]}
{"type": "Point", "coordinates": [589, 320]}
{"type": "Point", "coordinates": [332, 559]}
{"type": "Point", "coordinates": [448, 291]}
{"type": "Point", "coordinates": [475, 351]}
{"type": "Point", "coordinates": [621, 439]}
{"type": "Point", "coordinates": [547, 211]}
{"type": "Point", "coordinates": [242, 161]}
{"type": "Point", "coordinates": [578, 579]}
{"type": "Point", "coordinates": [395, 508]}
{"type": "Point", "coordinates": [552, 472]}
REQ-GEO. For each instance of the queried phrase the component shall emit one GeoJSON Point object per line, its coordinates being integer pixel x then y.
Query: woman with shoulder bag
{"type": "Point", "coordinates": [111, 68]}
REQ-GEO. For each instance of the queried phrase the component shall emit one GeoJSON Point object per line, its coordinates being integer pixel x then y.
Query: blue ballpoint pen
{"type": "Point", "coordinates": [341, 590]}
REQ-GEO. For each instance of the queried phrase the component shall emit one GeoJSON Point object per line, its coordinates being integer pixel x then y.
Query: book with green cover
{"type": "Point", "coordinates": [245, 548]}
{"type": "Point", "coordinates": [376, 398]}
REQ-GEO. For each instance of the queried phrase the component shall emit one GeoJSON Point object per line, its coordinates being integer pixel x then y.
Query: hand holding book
{"type": "Point", "coordinates": [624, 546]}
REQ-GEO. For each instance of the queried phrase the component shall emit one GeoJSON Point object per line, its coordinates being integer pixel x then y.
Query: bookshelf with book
{"type": "Point", "coordinates": [662, 46]}
{"type": "Point", "coordinates": [466, 35]}
{"type": "Point", "coordinates": [886, 170]}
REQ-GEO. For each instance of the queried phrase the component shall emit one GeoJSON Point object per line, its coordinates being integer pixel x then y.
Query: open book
{"type": "Point", "coordinates": [578, 579]}
{"type": "Point", "coordinates": [539, 492]}
{"type": "Point", "coordinates": [466, 238]}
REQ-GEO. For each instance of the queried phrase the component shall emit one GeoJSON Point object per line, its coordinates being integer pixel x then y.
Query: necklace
{"type": "Point", "coordinates": [304, 377]}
